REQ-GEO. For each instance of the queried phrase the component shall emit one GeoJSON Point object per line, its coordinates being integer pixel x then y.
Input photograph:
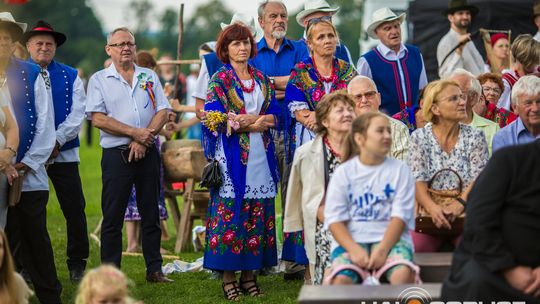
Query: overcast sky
{"type": "Point", "coordinates": [112, 12]}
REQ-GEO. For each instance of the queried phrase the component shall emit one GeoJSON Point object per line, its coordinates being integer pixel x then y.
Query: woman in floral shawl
{"type": "Point", "coordinates": [240, 227]}
{"type": "Point", "coordinates": [310, 80]}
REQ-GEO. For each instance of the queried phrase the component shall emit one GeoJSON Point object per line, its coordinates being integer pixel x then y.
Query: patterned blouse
{"type": "Point", "coordinates": [468, 157]}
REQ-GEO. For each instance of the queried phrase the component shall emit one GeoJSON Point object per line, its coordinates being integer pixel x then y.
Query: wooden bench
{"type": "Point", "coordinates": [369, 294]}
{"type": "Point", "coordinates": [434, 266]}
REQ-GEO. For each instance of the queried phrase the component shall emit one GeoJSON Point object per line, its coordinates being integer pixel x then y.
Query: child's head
{"type": "Point", "coordinates": [105, 284]}
{"type": "Point", "coordinates": [370, 132]}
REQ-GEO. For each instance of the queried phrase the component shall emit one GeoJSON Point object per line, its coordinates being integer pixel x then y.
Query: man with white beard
{"type": "Point", "coordinates": [276, 56]}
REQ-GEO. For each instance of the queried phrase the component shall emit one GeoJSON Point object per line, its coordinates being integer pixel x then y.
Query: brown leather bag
{"type": "Point", "coordinates": [424, 222]}
{"type": "Point", "coordinates": [14, 191]}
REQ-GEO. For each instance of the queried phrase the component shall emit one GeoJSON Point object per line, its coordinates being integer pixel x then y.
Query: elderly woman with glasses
{"type": "Point", "coordinates": [240, 227]}
{"type": "Point", "coordinates": [311, 79]}
{"type": "Point", "coordinates": [492, 88]}
{"type": "Point", "coordinates": [444, 143]}
{"type": "Point", "coordinates": [313, 166]}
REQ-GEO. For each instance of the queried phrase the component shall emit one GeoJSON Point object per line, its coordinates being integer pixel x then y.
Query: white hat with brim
{"type": "Point", "coordinates": [314, 6]}
{"type": "Point", "coordinates": [242, 19]}
{"type": "Point", "coordinates": [381, 16]}
{"type": "Point", "coordinates": [16, 29]}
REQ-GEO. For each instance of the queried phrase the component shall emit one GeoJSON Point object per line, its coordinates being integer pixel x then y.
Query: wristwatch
{"type": "Point", "coordinates": [461, 201]}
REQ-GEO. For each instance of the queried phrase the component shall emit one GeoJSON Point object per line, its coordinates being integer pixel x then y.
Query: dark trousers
{"type": "Point", "coordinates": [67, 183]}
{"type": "Point", "coordinates": [118, 179]}
{"type": "Point", "coordinates": [27, 232]}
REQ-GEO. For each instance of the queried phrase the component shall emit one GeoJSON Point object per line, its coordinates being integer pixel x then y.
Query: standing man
{"type": "Point", "coordinates": [315, 10]}
{"type": "Point", "coordinates": [127, 104]}
{"type": "Point", "coordinates": [276, 57]}
{"type": "Point", "coordinates": [68, 98]}
{"type": "Point", "coordinates": [368, 99]}
{"type": "Point", "coordinates": [466, 56]}
{"type": "Point", "coordinates": [27, 221]}
{"type": "Point", "coordinates": [393, 60]}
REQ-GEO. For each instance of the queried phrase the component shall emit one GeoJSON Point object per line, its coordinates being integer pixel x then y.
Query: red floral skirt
{"type": "Point", "coordinates": [243, 241]}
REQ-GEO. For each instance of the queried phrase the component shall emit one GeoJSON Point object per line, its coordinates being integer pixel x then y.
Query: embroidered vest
{"type": "Point", "coordinates": [212, 63]}
{"type": "Point", "coordinates": [386, 75]}
{"type": "Point", "coordinates": [62, 80]}
{"type": "Point", "coordinates": [21, 79]}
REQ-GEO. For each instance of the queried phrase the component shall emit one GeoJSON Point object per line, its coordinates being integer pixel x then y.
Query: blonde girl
{"type": "Point", "coordinates": [105, 284]}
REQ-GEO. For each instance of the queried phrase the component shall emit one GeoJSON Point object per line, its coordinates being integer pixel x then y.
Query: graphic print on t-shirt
{"type": "Point", "coordinates": [368, 204]}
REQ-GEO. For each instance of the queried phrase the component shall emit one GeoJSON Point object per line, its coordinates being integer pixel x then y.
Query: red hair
{"type": "Point", "coordinates": [233, 32]}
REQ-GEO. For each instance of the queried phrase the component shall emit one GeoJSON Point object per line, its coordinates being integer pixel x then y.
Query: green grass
{"type": "Point", "coordinates": [187, 288]}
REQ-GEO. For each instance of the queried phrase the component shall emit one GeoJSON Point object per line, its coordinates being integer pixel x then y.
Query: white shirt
{"type": "Point", "coordinates": [201, 87]}
{"type": "Point", "coordinates": [537, 36]}
{"type": "Point", "coordinates": [470, 59]}
{"type": "Point", "coordinates": [505, 101]}
{"type": "Point", "coordinates": [70, 128]}
{"type": "Point", "coordinates": [365, 198]}
{"type": "Point", "coordinates": [389, 54]}
{"type": "Point", "coordinates": [191, 84]}
{"type": "Point", "coordinates": [109, 93]}
{"type": "Point", "coordinates": [44, 139]}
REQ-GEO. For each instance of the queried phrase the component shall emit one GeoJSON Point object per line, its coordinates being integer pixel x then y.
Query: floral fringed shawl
{"type": "Point", "coordinates": [306, 85]}
{"type": "Point", "coordinates": [225, 95]}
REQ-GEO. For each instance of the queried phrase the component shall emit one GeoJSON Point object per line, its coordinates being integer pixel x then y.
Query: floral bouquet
{"type": "Point", "coordinates": [216, 121]}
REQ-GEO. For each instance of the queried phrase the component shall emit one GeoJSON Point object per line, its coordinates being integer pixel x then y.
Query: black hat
{"type": "Point", "coordinates": [43, 28]}
{"type": "Point", "coordinates": [460, 5]}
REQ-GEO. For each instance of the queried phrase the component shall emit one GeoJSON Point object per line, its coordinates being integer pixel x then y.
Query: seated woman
{"type": "Point", "coordinates": [240, 226]}
{"type": "Point", "coordinates": [369, 209]}
{"type": "Point", "coordinates": [498, 258]}
{"type": "Point", "coordinates": [13, 288]}
{"type": "Point", "coordinates": [313, 166]}
{"type": "Point", "coordinates": [444, 143]}
{"type": "Point", "coordinates": [492, 88]}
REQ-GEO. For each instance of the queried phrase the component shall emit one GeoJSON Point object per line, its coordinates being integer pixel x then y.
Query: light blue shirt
{"type": "Point", "coordinates": [513, 134]}
{"type": "Point", "coordinates": [109, 93]}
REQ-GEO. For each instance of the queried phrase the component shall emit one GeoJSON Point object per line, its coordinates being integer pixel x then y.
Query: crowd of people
{"type": "Point", "coordinates": [372, 161]}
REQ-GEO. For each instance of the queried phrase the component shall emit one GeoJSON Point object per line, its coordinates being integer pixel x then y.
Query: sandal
{"type": "Point", "coordinates": [232, 293]}
{"type": "Point", "coordinates": [252, 289]}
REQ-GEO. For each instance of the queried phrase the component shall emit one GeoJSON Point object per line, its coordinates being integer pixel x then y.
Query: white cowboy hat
{"type": "Point", "coordinates": [243, 19]}
{"type": "Point", "coordinates": [313, 6]}
{"type": "Point", "coordinates": [16, 29]}
{"type": "Point", "coordinates": [381, 16]}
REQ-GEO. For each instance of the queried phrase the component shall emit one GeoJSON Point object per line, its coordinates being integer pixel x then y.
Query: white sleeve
{"type": "Point", "coordinates": [201, 86]}
{"type": "Point", "coordinates": [161, 100]}
{"type": "Point", "coordinates": [363, 67]}
{"type": "Point", "coordinates": [403, 203]}
{"type": "Point", "coordinates": [422, 82]}
{"type": "Point", "coordinates": [95, 102]}
{"type": "Point", "coordinates": [505, 99]}
{"type": "Point", "coordinates": [453, 61]}
{"type": "Point", "coordinates": [44, 137]}
{"type": "Point", "coordinates": [336, 207]}
{"type": "Point", "coordinates": [69, 129]}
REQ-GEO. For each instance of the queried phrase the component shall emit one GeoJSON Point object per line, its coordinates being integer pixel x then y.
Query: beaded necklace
{"type": "Point", "coordinates": [252, 87]}
{"type": "Point", "coordinates": [334, 152]}
{"type": "Point", "coordinates": [329, 78]}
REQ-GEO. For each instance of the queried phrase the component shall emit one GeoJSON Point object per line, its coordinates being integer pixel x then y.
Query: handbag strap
{"type": "Point", "coordinates": [460, 183]}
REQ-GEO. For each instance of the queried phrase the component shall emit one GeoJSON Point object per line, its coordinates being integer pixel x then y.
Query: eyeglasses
{"type": "Point", "coordinates": [369, 95]}
{"type": "Point", "coordinates": [122, 45]}
{"type": "Point", "coordinates": [454, 98]}
{"type": "Point", "coordinates": [494, 90]}
{"type": "Point", "coordinates": [320, 19]}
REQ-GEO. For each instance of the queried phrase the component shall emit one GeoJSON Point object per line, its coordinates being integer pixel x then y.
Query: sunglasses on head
{"type": "Point", "coordinates": [320, 19]}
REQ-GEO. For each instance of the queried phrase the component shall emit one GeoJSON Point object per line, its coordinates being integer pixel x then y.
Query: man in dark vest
{"type": "Point", "coordinates": [27, 221]}
{"type": "Point", "coordinates": [69, 99]}
{"type": "Point", "coordinates": [397, 69]}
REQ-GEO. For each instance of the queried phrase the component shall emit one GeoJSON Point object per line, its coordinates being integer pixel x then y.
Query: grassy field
{"type": "Point", "coordinates": [187, 288]}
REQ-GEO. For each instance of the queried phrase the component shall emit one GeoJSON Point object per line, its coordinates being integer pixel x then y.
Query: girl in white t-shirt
{"type": "Point", "coordinates": [369, 210]}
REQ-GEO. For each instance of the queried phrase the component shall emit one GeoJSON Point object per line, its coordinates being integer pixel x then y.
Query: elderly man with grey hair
{"type": "Point", "coordinates": [128, 105]}
{"type": "Point", "coordinates": [368, 99]}
{"type": "Point", "coordinates": [472, 90]}
{"type": "Point", "coordinates": [526, 102]}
